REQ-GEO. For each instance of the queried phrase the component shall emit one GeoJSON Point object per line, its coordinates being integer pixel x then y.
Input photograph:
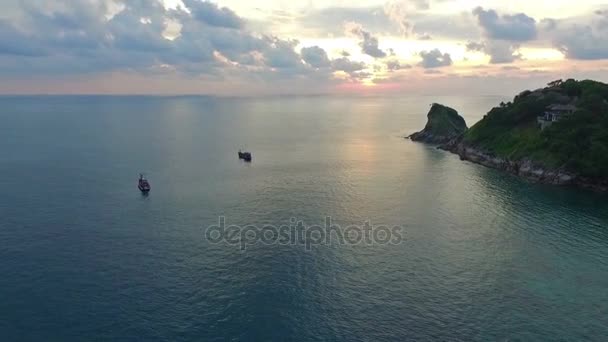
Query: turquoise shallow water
{"type": "Point", "coordinates": [84, 256]}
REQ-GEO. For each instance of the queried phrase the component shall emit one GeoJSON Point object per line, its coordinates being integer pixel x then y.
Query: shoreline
{"type": "Point", "coordinates": [526, 169]}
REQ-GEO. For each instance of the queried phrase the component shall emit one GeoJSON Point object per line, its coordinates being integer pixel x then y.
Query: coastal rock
{"type": "Point", "coordinates": [527, 169]}
{"type": "Point", "coordinates": [443, 125]}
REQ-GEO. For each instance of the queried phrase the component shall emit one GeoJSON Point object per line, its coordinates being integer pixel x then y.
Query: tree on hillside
{"type": "Point", "coordinates": [555, 83]}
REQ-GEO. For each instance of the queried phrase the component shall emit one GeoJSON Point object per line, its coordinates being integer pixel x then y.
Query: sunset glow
{"type": "Point", "coordinates": [320, 46]}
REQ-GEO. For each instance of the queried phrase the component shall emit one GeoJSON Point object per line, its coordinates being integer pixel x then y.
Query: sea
{"type": "Point", "coordinates": [475, 254]}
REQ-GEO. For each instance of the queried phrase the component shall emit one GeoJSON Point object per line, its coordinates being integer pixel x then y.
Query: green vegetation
{"type": "Point", "coordinates": [578, 142]}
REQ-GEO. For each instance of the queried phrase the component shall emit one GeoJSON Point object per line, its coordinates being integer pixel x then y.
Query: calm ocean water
{"type": "Point", "coordinates": [84, 256]}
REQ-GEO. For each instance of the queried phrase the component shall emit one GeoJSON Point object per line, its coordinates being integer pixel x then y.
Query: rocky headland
{"type": "Point", "coordinates": [555, 135]}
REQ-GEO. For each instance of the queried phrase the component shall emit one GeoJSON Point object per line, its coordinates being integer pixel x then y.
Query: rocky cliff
{"type": "Point", "coordinates": [443, 125]}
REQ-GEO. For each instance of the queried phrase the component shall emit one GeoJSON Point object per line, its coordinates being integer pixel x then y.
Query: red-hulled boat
{"type": "Point", "coordinates": [144, 185]}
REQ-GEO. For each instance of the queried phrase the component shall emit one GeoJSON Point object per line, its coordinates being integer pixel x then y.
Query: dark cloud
{"type": "Point", "coordinates": [369, 43]}
{"type": "Point", "coordinates": [395, 65]}
{"type": "Point", "coordinates": [583, 38]}
{"type": "Point", "coordinates": [500, 52]}
{"type": "Point", "coordinates": [354, 70]}
{"type": "Point", "coordinates": [474, 46]}
{"type": "Point", "coordinates": [435, 59]}
{"type": "Point", "coordinates": [281, 54]}
{"type": "Point", "coordinates": [39, 28]}
{"type": "Point", "coordinates": [13, 42]}
{"type": "Point", "coordinates": [139, 28]}
{"type": "Point", "coordinates": [69, 37]}
{"type": "Point", "coordinates": [315, 57]}
{"type": "Point", "coordinates": [213, 15]}
{"type": "Point", "coordinates": [517, 27]}
{"type": "Point", "coordinates": [583, 42]}
{"type": "Point", "coordinates": [503, 34]}
{"type": "Point", "coordinates": [346, 65]}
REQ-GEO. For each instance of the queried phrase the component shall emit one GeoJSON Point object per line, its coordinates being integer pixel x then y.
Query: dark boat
{"type": "Point", "coordinates": [143, 184]}
{"type": "Point", "coordinates": [246, 156]}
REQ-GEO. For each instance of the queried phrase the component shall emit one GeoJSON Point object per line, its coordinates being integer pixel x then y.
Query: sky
{"type": "Point", "coordinates": [276, 47]}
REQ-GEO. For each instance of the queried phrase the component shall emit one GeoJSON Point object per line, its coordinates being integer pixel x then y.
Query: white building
{"type": "Point", "coordinates": [555, 113]}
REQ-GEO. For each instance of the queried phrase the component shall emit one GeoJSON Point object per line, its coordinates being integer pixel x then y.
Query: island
{"type": "Point", "coordinates": [555, 135]}
{"type": "Point", "coordinates": [443, 125]}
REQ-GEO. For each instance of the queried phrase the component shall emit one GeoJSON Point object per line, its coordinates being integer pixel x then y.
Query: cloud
{"type": "Point", "coordinates": [404, 12]}
{"type": "Point", "coordinates": [281, 54]}
{"type": "Point", "coordinates": [583, 43]}
{"type": "Point", "coordinates": [474, 46]}
{"type": "Point", "coordinates": [212, 43]}
{"type": "Point", "coordinates": [581, 39]}
{"type": "Point", "coordinates": [315, 57]}
{"type": "Point", "coordinates": [369, 43]}
{"type": "Point", "coordinates": [395, 65]}
{"type": "Point", "coordinates": [500, 52]}
{"type": "Point", "coordinates": [503, 34]}
{"type": "Point", "coordinates": [548, 24]}
{"type": "Point", "coordinates": [213, 15]}
{"type": "Point", "coordinates": [346, 65]}
{"type": "Point", "coordinates": [403, 17]}
{"type": "Point", "coordinates": [330, 20]}
{"type": "Point", "coordinates": [13, 42]}
{"type": "Point", "coordinates": [517, 27]}
{"type": "Point", "coordinates": [435, 59]}
{"type": "Point", "coordinates": [61, 39]}
{"type": "Point", "coordinates": [138, 28]}
{"type": "Point", "coordinates": [460, 26]}
{"type": "Point", "coordinates": [399, 11]}
{"type": "Point", "coordinates": [69, 38]}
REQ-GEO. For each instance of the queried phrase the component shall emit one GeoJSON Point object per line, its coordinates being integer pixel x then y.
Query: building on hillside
{"type": "Point", "coordinates": [555, 113]}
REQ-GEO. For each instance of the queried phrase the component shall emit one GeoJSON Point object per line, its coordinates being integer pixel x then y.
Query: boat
{"type": "Point", "coordinates": [143, 185]}
{"type": "Point", "coordinates": [246, 156]}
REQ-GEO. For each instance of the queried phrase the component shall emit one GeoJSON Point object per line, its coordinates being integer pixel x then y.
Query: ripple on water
{"type": "Point", "coordinates": [485, 255]}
